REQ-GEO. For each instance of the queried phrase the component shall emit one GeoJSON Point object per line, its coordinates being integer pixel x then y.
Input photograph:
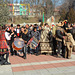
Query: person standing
{"type": "Point", "coordinates": [60, 36]}
{"type": "Point", "coordinates": [18, 31]}
{"type": "Point", "coordinates": [29, 35]}
{"type": "Point", "coordinates": [4, 47]}
{"type": "Point", "coordinates": [36, 34]}
{"type": "Point", "coordinates": [24, 34]}
{"type": "Point", "coordinates": [13, 35]}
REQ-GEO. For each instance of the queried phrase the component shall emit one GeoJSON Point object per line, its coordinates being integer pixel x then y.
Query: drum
{"type": "Point", "coordinates": [33, 43]}
{"type": "Point", "coordinates": [18, 44]}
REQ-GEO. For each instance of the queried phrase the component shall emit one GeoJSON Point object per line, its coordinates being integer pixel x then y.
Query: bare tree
{"type": "Point", "coordinates": [16, 1]}
{"type": "Point", "coordinates": [12, 1]}
{"type": "Point", "coordinates": [49, 8]}
{"type": "Point", "coordinates": [20, 1]}
{"type": "Point", "coordinates": [66, 5]}
{"type": "Point", "coordinates": [24, 1]}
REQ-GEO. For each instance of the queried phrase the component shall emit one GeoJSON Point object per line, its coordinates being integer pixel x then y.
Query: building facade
{"type": "Point", "coordinates": [19, 9]}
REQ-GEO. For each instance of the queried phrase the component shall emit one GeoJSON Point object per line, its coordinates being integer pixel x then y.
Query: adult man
{"type": "Point", "coordinates": [29, 35]}
{"type": "Point", "coordinates": [24, 35]}
{"type": "Point", "coordinates": [60, 36]}
{"type": "Point", "coordinates": [18, 30]}
{"type": "Point", "coordinates": [13, 35]}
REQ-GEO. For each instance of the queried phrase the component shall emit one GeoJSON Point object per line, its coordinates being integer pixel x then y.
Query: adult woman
{"type": "Point", "coordinates": [3, 47]}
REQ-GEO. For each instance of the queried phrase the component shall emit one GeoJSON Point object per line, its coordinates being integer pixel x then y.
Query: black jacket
{"type": "Point", "coordinates": [12, 37]}
{"type": "Point", "coordinates": [59, 34]}
{"type": "Point", "coordinates": [25, 37]}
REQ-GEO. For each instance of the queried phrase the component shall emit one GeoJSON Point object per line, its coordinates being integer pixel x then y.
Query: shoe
{"type": "Point", "coordinates": [24, 57]}
{"type": "Point", "coordinates": [28, 53]}
{"type": "Point", "coordinates": [11, 54]}
{"type": "Point", "coordinates": [36, 54]}
{"type": "Point", "coordinates": [17, 54]}
{"type": "Point", "coordinates": [59, 56]}
{"type": "Point", "coordinates": [55, 56]}
{"type": "Point", "coordinates": [31, 53]}
{"type": "Point", "coordinates": [2, 62]}
{"type": "Point", "coordinates": [69, 57]}
{"type": "Point", "coordinates": [6, 63]}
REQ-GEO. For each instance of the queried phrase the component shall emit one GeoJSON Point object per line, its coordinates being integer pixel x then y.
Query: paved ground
{"type": "Point", "coordinates": [39, 65]}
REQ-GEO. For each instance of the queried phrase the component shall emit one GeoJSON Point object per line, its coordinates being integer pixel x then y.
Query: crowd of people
{"type": "Point", "coordinates": [62, 39]}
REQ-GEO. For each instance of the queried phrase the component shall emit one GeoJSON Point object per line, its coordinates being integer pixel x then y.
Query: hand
{"type": "Point", "coordinates": [9, 51]}
{"type": "Point", "coordinates": [39, 40]}
{"type": "Point", "coordinates": [25, 41]}
{"type": "Point", "coordinates": [63, 37]}
{"type": "Point", "coordinates": [12, 33]}
{"type": "Point", "coordinates": [70, 27]}
{"type": "Point", "coordinates": [8, 47]}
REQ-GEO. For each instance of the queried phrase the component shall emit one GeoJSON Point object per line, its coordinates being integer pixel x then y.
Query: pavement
{"type": "Point", "coordinates": [39, 65]}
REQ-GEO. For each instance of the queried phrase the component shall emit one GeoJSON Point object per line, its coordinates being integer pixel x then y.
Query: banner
{"type": "Point", "coordinates": [22, 10]}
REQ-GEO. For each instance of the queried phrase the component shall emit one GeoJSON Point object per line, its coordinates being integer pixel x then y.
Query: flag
{"type": "Point", "coordinates": [43, 17]}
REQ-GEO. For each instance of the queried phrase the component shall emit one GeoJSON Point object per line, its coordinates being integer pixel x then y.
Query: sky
{"type": "Point", "coordinates": [57, 4]}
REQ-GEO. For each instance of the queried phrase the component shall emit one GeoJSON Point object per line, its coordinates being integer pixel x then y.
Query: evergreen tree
{"type": "Point", "coordinates": [4, 12]}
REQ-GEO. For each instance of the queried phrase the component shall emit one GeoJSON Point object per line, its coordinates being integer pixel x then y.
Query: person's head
{"type": "Point", "coordinates": [22, 29]}
{"type": "Point", "coordinates": [18, 26]}
{"type": "Point", "coordinates": [12, 29]}
{"type": "Point", "coordinates": [8, 27]}
{"type": "Point", "coordinates": [52, 19]}
{"type": "Point", "coordinates": [65, 22]}
{"type": "Point", "coordinates": [34, 29]}
{"type": "Point", "coordinates": [31, 28]}
{"type": "Point", "coordinates": [40, 28]}
{"type": "Point", "coordinates": [3, 27]}
{"type": "Point", "coordinates": [35, 25]}
{"type": "Point", "coordinates": [11, 25]}
{"type": "Point", "coordinates": [46, 24]}
{"type": "Point", "coordinates": [27, 26]}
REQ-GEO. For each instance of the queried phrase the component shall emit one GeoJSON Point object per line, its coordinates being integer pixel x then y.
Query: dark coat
{"type": "Point", "coordinates": [59, 34]}
{"type": "Point", "coordinates": [36, 35]}
{"type": "Point", "coordinates": [25, 37]}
